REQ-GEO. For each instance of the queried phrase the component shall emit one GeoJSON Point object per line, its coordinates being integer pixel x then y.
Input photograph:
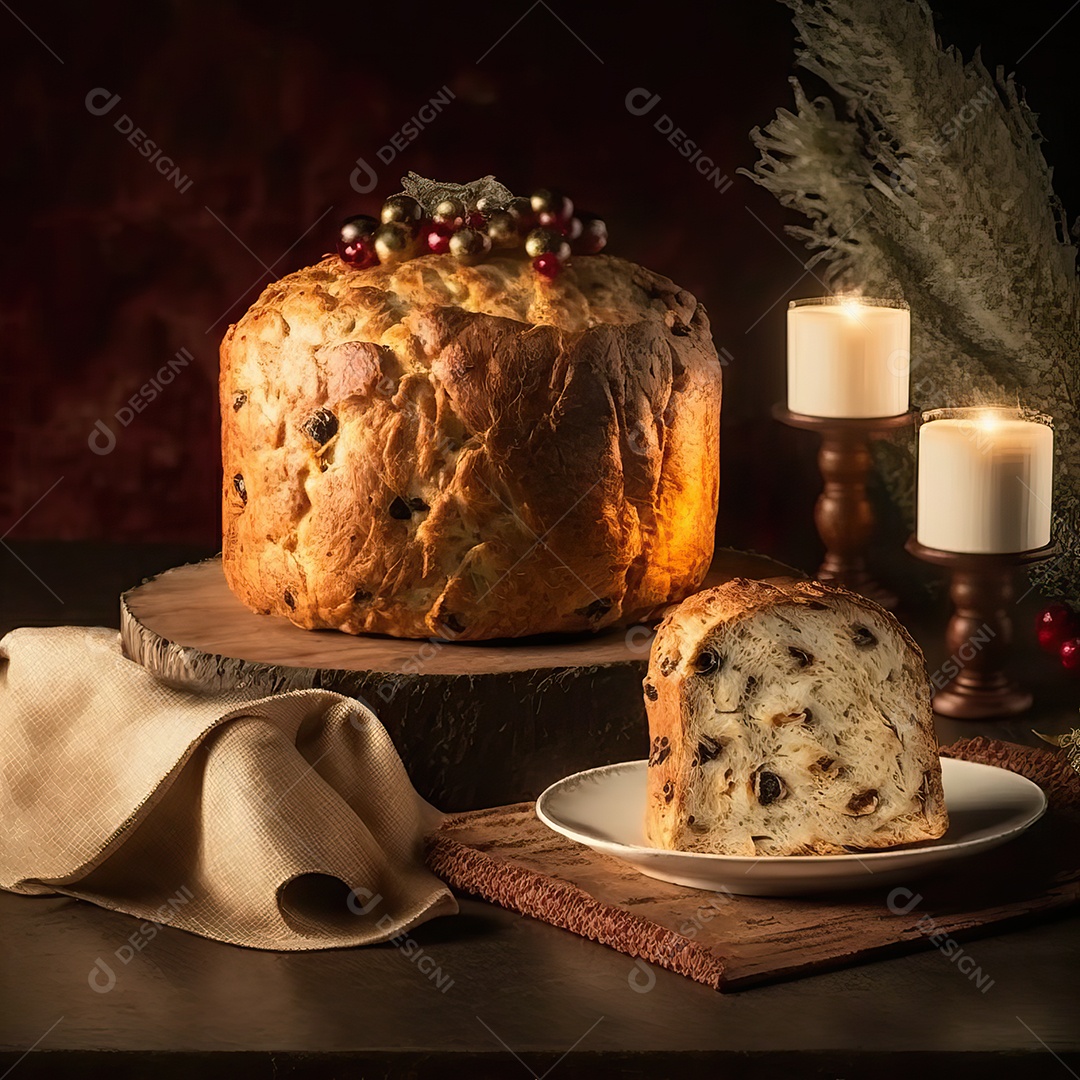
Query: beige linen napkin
{"type": "Point", "coordinates": [284, 822]}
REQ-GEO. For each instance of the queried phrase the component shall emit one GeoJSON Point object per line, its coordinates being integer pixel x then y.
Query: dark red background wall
{"type": "Point", "coordinates": [108, 270]}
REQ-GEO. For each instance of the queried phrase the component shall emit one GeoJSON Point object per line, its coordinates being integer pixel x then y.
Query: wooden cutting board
{"type": "Point", "coordinates": [507, 856]}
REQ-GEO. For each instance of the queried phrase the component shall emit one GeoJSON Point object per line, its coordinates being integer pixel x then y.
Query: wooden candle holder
{"type": "Point", "coordinates": [843, 514]}
{"type": "Point", "coordinates": [979, 634]}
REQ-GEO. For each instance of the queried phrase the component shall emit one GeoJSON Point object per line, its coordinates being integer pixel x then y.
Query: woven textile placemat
{"type": "Point", "coordinates": [508, 857]}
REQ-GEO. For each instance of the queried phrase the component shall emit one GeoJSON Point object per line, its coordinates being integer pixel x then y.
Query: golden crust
{"type": "Point", "coordinates": [741, 596]}
{"type": "Point", "coordinates": [553, 447]}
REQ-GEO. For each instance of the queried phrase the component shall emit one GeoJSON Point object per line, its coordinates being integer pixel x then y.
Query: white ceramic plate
{"type": "Point", "coordinates": [604, 808]}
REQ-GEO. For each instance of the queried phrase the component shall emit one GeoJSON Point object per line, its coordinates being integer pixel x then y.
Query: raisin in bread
{"type": "Point", "coordinates": [472, 451]}
{"type": "Point", "coordinates": [788, 718]}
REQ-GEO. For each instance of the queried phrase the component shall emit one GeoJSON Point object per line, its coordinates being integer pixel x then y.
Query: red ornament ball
{"type": "Point", "coordinates": [1070, 654]}
{"type": "Point", "coordinates": [1054, 624]}
{"type": "Point", "coordinates": [360, 255]}
{"type": "Point", "coordinates": [548, 265]}
{"type": "Point", "coordinates": [437, 237]}
{"type": "Point", "coordinates": [356, 241]}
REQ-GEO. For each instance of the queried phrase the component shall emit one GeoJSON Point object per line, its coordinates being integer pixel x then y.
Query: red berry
{"type": "Point", "coordinates": [549, 265]}
{"type": "Point", "coordinates": [1070, 654]}
{"type": "Point", "coordinates": [1054, 624]}
{"type": "Point", "coordinates": [356, 241]}
{"type": "Point", "coordinates": [360, 254]}
{"type": "Point", "coordinates": [1055, 615]}
{"type": "Point", "coordinates": [475, 220]}
{"type": "Point", "coordinates": [437, 237]}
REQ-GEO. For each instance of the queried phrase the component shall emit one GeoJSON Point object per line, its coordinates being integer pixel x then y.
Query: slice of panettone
{"type": "Point", "coordinates": [788, 718]}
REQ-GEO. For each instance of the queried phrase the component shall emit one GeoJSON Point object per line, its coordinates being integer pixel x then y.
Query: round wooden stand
{"type": "Point", "coordinates": [843, 514]}
{"type": "Point", "coordinates": [477, 724]}
{"type": "Point", "coordinates": [979, 635]}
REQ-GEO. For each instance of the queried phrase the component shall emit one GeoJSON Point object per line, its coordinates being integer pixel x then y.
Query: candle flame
{"type": "Point", "coordinates": [851, 308]}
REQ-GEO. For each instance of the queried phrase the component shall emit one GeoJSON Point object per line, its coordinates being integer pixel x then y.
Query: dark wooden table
{"type": "Point", "coordinates": [525, 998]}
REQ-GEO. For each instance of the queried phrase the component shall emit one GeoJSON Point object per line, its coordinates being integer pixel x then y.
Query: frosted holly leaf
{"type": "Point", "coordinates": [429, 193]}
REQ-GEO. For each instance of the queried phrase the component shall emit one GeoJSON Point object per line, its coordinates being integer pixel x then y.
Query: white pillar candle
{"type": "Point", "coordinates": [985, 480]}
{"type": "Point", "coordinates": [848, 357]}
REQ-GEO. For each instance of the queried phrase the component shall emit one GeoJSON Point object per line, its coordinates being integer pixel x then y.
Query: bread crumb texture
{"type": "Point", "coordinates": [789, 718]}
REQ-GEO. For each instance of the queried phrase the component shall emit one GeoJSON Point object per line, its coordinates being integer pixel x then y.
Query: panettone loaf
{"type": "Point", "coordinates": [788, 718]}
{"type": "Point", "coordinates": [472, 451]}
